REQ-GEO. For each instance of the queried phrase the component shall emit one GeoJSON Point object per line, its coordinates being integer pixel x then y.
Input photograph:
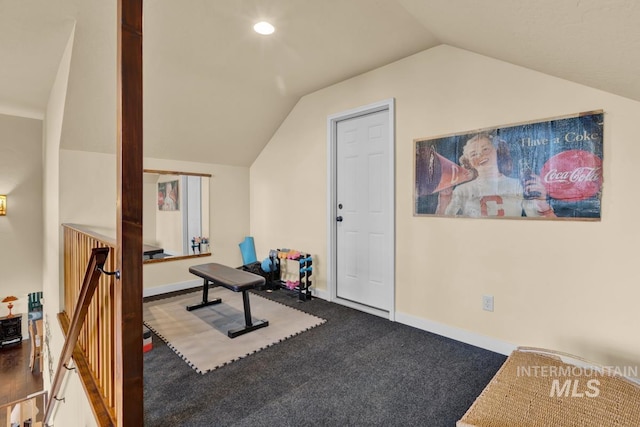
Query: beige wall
{"type": "Point", "coordinates": [149, 207]}
{"type": "Point", "coordinates": [163, 228]}
{"type": "Point", "coordinates": [88, 188]}
{"type": "Point", "coordinates": [75, 411]}
{"type": "Point", "coordinates": [21, 228]}
{"type": "Point", "coordinates": [228, 221]}
{"type": "Point", "coordinates": [88, 197]}
{"type": "Point", "coordinates": [169, 223]}
{"type": "Point", "coordinates": [81, 188]}
{"type": "Point", "coordinates": [564, 285]}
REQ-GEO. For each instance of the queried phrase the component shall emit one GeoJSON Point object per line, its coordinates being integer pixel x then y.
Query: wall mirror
{"type": "Point", "coordinates": [175, 215]}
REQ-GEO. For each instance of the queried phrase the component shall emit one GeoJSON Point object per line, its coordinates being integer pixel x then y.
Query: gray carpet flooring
{"type": "Point", "coordinates": [354, 370]}
{"type": "Point", "coordinates": [200, 336]}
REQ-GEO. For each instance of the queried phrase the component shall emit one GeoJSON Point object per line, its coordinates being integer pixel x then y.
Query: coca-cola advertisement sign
{"type": "Point", "coordinates": [572, 175]}
{"type": "Point", "coordinates": [547, 169]}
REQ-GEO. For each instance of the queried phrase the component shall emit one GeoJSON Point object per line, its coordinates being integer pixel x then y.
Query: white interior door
{"type": "Point", "coordinates": [364, 226]}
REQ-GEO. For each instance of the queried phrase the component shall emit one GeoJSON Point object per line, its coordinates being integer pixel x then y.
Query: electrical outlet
{"type": "Point", "coordinates": [487, 302]}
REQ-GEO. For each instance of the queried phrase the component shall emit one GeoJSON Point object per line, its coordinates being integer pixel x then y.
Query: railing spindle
{"type": "Point", "coordinates": [94, 352]}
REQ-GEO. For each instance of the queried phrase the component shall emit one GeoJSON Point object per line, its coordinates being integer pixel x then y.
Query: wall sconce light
{"type": "Point", "coordinates": [10, 299]}
{"type": "Point", "coordinates": [3, 204]}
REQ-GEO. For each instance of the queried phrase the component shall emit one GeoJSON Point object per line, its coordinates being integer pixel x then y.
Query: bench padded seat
{"type": "Point", "coordinates": [231, 278]}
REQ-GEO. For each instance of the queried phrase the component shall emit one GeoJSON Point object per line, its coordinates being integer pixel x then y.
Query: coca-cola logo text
{"type": "Point", "coordinates": [572, 175]}
{"type": "Point", "coordinates": [580, 174]}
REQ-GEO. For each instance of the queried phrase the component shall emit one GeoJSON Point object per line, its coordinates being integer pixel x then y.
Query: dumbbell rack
{"type": "Point", "coordinates": [305, 269]}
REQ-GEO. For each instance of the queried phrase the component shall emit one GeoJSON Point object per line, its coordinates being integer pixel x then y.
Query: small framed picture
{"type": "Point", "coordinates": [168, 199]}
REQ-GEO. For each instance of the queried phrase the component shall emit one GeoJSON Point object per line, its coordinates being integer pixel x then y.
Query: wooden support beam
{"type": "Point", "coordinates": [128, 290]}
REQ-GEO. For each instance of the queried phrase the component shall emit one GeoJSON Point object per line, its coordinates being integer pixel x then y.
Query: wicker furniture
{"type": "Point", "coordinates": [537, 387]}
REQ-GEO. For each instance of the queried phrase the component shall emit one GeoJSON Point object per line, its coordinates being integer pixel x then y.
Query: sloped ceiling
{"type": "Point", "coordinates": [211, 81]}
{"type": "Point", "coordinates": [33, 34]}
{"type": "Point", "coordinates": [592, 42]}
{"type": "Point", "coordinates": [216, 92]}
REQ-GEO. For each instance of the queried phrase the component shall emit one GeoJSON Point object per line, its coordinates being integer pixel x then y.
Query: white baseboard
{"type": "Point", "coordinates": [462, 335]}
{"type": "Point", "coordinates": [452, 332]}
{"type": "Point", "coordinates": [457, 334]}
{"type": "Point", "coordinates": [172, 287]}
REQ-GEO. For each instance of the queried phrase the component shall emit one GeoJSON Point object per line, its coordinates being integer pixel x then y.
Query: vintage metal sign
{"type": "Point", "coordinates": [545, 169]}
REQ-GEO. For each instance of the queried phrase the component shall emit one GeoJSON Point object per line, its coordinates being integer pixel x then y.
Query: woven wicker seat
{"type": "Point", "coordinates": [540, 388]}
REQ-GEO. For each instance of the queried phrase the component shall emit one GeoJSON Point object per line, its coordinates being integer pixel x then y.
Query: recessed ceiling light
{"type": "Point", "coordinates": [264, 28]}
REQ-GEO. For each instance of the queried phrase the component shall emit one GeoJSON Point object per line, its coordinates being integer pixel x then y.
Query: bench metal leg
{"type": "Point", "coordinates": [205, 298]}
{"type": "Point", "coordinates": [249, 325]}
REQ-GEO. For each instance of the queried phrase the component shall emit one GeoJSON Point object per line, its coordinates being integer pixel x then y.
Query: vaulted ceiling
{"type": "Point", "coordinates": [216, 92]}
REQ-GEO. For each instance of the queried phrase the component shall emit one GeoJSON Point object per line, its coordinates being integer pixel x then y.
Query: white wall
{"type": "Point", "coordinates": [21, 228]}
{"type": "Point", "coordinates": [569, 286]}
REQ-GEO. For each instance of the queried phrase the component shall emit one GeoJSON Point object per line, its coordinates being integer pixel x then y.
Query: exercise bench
{"type": "Point", "coordinates": [234, 280]}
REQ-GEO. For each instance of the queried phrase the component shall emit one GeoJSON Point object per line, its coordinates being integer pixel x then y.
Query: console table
{"type": "Point", "coordinates": [10, 329]}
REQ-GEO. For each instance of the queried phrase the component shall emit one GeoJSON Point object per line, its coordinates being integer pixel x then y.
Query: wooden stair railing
{"type": "Point", "coordinates": [101, 408]}
{"type": "Point", "coordinates": [30, 398]}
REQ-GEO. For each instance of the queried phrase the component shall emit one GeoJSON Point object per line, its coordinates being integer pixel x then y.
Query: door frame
{"type": "Point", "coordinates": [387, 105]}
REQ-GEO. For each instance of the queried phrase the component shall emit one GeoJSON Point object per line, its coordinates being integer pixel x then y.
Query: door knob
{"type": "Point", "coordinates": [339, 219]}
